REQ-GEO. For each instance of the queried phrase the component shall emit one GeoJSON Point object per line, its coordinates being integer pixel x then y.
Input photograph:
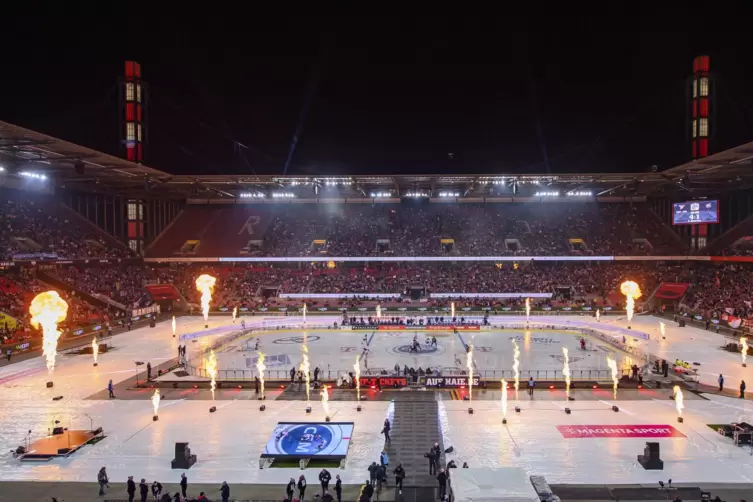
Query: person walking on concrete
{"type": "Point", "coordinates": [130, 488]}
{"type": "Point", "coordinates": [324, 478]}
{"type": "Point", "coordinates": [183, 484]}
{"type": "Point", "coordinates": [111, 389]}
{"type": "Point", "coordinates": [720, 380]}
{"type": "Point", "coordinates": [102, 480]}
{"type": "Point", "coordinates": [225, 492]}
{"type": "Point", "coordinates": [742, 389]}
{"type": "Point", "coordinates": [399, 473]}
{"type": "Point", "coordinates": [531, 386]}
{"type": "Point", "coordinates": [432, 461]}
{"type": "Point", "coordinates": [386, 430]}
{"type": "Point", "coordinates": [373, 472]}
{"type": "Point", "coordinates": [143, 490]}
{"type": "Point", "coordinates": [292, 375]}
{"type": "Point", "coordinates": [148, 371]}
{"type": "Point", "coordinates": [442, 480]}
{"type": "Point", "coordinates": [338, 488]}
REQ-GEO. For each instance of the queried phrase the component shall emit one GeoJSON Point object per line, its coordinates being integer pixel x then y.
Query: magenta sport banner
{"type": "Point", "coordinates": [619, 431]}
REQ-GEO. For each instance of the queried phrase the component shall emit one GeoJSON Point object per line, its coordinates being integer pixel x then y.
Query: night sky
{"type": "Point", "coordinates": [540, 93]}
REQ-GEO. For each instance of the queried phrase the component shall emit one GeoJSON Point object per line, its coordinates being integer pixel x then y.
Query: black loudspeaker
{"type": "Point", "coordinates": [79, 168]}
{"type": "Point", "coordinates": [57, 431]}
{"type": "Point", "coordinates": [183, 458]}
{"type": "Point", "coordinates": [681, 323]}
{"type": "Point", "coordinates": [650, 459]}
{"type": "Point", "coordinates": [152, 323]}
{"type": "Point", "coordinates": [63, 451]}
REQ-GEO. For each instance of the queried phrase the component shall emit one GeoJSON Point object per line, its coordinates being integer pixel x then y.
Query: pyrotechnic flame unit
{"type": "Point", "coordinates": [357, 369]}
{"type": "Point", "coordinates": [679, 402]}
{"type": "Point", "coordinates": [612, 364]}
{"type": "Point", "coordinates": [744, 350]}
{"type": "Point", "coordinates": [205, 285]}
{"type": "Point", "coordinates": [174, 326]}
{"type": "Point", "coordinates": [155, 404]}
{"type": "Point", "coordinates": [261, 367]}
{"type": "Point", "coordinates": [210, 366]}
{"type": "Point", "coordinates": [632, 292]}
{"type": "Point", "coordinates": [48, 310]}
{"type": "Point", "coordinates": [504, 401]}
{"type": "Point", "coordinates": [469, 364]}
{"type": "Point", "coordinates": [95, 350]}
{"type": "Point", "coordinates": [325, 403]}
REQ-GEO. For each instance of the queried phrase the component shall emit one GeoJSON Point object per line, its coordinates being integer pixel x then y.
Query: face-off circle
{"type": "Point", "coordinates": [423, 350]}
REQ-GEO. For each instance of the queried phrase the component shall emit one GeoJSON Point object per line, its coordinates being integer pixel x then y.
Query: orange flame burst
{"type": "Point", "coordinates": [48, 309]}
{"type": "Point", "coordinates": [632, 292]}
{"type": "Point", "coordinates": [205, 284]}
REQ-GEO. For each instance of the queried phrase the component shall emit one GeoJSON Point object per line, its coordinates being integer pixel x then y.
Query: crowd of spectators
{"type": "Point", "coordinates": [16, 293]}
{"type": "Point", "coordinates": [468, 229]}
{"type": "Point", "coordinates": [124, 285]}
{"type": "Point", "coordinates": [34, 225]}
{"type": "Point", "coordinates": [721, 289]}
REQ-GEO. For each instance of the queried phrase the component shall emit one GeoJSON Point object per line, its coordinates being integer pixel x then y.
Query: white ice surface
{"type": "Point", "coordinates": [228, 443]}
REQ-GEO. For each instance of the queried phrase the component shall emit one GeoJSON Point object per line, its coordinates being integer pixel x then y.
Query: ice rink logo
{"type": "Point", "coordinates": [292, 340]}
{"type": "Point", "coordinates": [560, 358]}
{"type": "Point", "coordinates": [424, 350]}
{"type": "Point", "coordinates": [535, 339]}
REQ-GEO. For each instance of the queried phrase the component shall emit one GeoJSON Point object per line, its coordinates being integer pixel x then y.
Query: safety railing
{"type": "Point", "coordinates": [593, 375]}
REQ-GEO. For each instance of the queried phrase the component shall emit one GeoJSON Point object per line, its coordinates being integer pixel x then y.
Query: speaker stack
{"type": "Point", "coordinates": [183, 458]}
{"type": "Point", "coordinates": [650, 459]}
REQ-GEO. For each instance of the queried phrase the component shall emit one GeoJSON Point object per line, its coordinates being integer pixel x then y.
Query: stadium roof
{"type": "Point", "coordinates": [76, 167]}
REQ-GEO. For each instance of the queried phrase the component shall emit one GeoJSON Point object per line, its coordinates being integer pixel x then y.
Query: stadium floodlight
{"type": "Point", "coordinates": [2, 169]}
{"type": "Point", "coordinates": [283, 195]}
{"type": "Point", "coordinates": [449, 194]}
{"type": "Point", "coordinates": [375, 195]}
{"type": "Point", "coordinates": [416, 194]}
{"type": "Point", "coordinates": [546, 194]}
{"type": "Point", "coordinates": [251, 195]}
{"type": "Point", "coordinates": [580, 193]}
{"type": "Point", "coordinates": [35, 176]}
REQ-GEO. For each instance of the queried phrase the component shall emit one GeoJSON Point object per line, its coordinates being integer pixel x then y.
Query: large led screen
{"type": "Point", "coordinates": [309, 439]}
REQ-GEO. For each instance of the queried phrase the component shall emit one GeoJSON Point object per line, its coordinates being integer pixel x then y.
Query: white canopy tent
{"type": "Point", "coordinates": [485, 484]}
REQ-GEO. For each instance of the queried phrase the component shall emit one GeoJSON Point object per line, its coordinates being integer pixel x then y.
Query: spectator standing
{"type": "Point", "coordinates": [110, 389]}
{"type": "Point", "coordinates": [386, 430]}
{"type": "Point", "coordinates": [301, 487]}
{"type": "Point", "coordinates": [183, 484]}
{"type": "Point", "coordinates": [130, 488]}
{"type": "Point", "coordinates": [442, 481]}
{"type": "Point", "coordinates": [742, 389]}
{"type": "Point", "coordinates": [102, 480]}
{"type": "Point", "coordinates": [721, 382]}
{"type": "Point", "coordinates": [338, 488]}
{"type": "Point", "coordinates": [143, 490]}
{"type": "Point", "coordinates": [290, 488]}
{"type": "Point", "coordinates": [225, 491]}
{"type": "Point", "coordinates": [324, 478]}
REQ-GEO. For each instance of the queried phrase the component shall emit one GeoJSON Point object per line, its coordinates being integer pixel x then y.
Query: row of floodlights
{"type": "Point", "coordinates": [373, 195]}
{"type": "Point", "coordinates": [579, 193]}
{"type": "Point", "coordinates": [28, 174]}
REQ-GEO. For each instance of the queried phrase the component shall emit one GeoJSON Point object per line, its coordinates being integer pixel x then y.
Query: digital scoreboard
{"type": "Point", "coordinates": [695, 212]}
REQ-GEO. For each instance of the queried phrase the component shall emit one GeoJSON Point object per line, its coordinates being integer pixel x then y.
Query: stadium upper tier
{"type": "Point", "coordinates": [416, 229]}
{"type": "Point", "coordinates": [37, 225]}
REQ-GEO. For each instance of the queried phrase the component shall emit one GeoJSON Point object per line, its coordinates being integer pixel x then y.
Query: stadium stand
{"type": "Point", "coordinates": [35, 225]}
{"type": "Point", "coordinates": [416, 230]}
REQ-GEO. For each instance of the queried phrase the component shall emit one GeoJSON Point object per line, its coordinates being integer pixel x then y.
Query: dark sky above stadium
{"type": "Point", "coordinates": [558, 92]}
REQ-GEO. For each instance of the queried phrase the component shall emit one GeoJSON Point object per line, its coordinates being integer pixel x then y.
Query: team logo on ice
{"type": "Point", "coordinates": [560, 358]}
{"type": "Point", "coordinates": [291, 340]}
{"type": "Point", "coordinates": [423, 350]}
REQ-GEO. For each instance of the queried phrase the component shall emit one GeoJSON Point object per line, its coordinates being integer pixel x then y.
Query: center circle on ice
{"type": "Point", "coordinates": [404, 350]}
{"type": "Point", "coordinates": [304, 439]}
{"type": "Point", "coordinates": [292, 340]}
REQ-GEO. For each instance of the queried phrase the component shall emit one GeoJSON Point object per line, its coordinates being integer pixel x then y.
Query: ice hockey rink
{"type": "Point", "coordinates": [228, 443]}
{"type": "Point", "coordinates": [335, 351]}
